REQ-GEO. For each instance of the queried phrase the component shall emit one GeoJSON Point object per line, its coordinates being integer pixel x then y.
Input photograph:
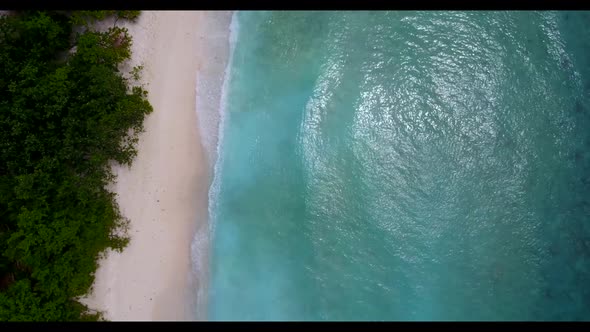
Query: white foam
{"type": "Point", "coordinates": [210, 104]}
{"type": "Point", "coordinates": [223, 115]}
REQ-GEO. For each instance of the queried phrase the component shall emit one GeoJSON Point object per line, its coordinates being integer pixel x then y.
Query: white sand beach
{"type": "Point", "coordinates": [164, 192]}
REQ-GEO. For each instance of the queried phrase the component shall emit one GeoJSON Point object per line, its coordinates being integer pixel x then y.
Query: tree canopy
{"type": "Point", "coordinates": [62, 120]}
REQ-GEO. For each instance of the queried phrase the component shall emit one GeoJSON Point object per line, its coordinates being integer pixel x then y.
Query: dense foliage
{"type": "Point", "coordinates": [65, 112]}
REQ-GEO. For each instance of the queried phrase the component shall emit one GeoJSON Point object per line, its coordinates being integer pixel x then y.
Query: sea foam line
{"type": "Point", "coordinates": [223, 115]}
{"type": "Point", "coordinates": [202, 239]}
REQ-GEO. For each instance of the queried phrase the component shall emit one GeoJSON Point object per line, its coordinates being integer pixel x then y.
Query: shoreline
{"type": "Point", "coordinates": [164, 193]}
{"type": "Point", "coordinates": [213, 54]}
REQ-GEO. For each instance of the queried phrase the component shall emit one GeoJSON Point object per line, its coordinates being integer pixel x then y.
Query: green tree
{"type": "Point", "coordinates": [61, 122]}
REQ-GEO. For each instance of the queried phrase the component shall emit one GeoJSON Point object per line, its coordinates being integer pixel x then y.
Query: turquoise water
{"type": "Point", "coordinates": [404, 166]}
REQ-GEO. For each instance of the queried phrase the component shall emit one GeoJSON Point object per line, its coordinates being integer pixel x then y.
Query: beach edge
{"type": "Point", "coordinates": [164, 194]}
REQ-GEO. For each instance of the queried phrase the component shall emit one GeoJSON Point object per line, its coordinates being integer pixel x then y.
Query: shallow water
{"type": "Point", "coordinates": [404, 166]}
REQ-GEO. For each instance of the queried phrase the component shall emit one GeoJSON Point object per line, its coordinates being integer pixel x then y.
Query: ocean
{"type": "Point", "coordinates": [403, 166]}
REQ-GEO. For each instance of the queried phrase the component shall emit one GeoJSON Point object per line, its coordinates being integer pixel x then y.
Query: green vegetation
{"type": "Point", "coordinates": [64, 115]}
{"type": "Point", "coordinates": [85, 17]}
